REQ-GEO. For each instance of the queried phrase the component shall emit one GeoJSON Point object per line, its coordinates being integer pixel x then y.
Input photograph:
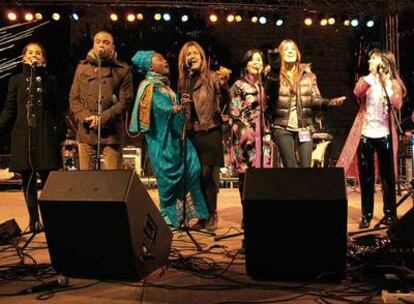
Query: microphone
{"type": "Point", "coordinates": [188, 63]}
{"type": "Point", "coordinates": [101, 52]}
{"type": "Point", "coordinates": [380, 67]}
{"type": "Point", "coordinates": [60, 282]}
{"type": "Point", "coordinates": [33, 63]}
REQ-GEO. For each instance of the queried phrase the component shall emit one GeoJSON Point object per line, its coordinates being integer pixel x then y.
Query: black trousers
{"type": "Point", "coordinates": [366, 150]}
{"type": "Point", "coordinates": [29, 182]}
{"type": "Point", "coordinates": [210, 182]}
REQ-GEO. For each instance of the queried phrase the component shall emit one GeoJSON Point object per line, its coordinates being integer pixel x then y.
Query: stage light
{"type": "Point", "coordinates": [254, 19]}
{"type": "Point", "coordinates": [262, 20]}
{"type": "Point", "coordinates": [238, 18]}
{"type": "Point", "coordinates": [56, 16]}
{"type": "Point", "coordinates": [308, 21]}
{"type": "Point", "coordinates": [38, 16]}
{"type": "Point", "coordinates": [213, 18]}
{"type": "Point", "coordinates": [28, 17]}
{"type": "Point", "coordinates": [370, 23]}
{"type": "Point", "coordinates": [279, 22]}
{"type": "Point", "coordinates": [184, 18]}
{"type": "Point", "coordinates": [230, 18]}
{"type": "Point", "coordinates": [331, 20]}
{"type": "Point", "coordinates": [131, 17]}
{"type": "Point", "coordinates": [157, 17]}
{"type": "Point", "coordinates": [346, 21]}
{"type": "Point", "coordinates": [140, 17]}
{"type": "Point", "coordinates": [166, 17]}
{"type": "Point", "coordinates": [12, 16]}
{"type": "Point", "coordinates": [74, 16]}
{"type": "Point", "coordinates": [113, 17]}
{"type": "Point", "coordinates": [324, 22]}
{"type": "Point", "coordinates": [354, 22]}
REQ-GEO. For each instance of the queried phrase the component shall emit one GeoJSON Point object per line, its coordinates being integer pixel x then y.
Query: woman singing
{"type": "Point", "coordinates": [370, 133]}
{"type": "Point", "coordinates": [35, 110]}
{"type": "Point", "coordinates": [157, 114]}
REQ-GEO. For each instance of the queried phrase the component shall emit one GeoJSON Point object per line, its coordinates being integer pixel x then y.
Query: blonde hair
{"type": "Point", "coordinates": [204, 68]}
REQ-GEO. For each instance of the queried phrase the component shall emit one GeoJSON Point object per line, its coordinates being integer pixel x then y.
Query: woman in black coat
{"type": "Point", "coordinates": [35, 111]}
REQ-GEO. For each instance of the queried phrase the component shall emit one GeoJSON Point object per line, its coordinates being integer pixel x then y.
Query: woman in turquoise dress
{"type": "Point", "coordinates": [157, 114]}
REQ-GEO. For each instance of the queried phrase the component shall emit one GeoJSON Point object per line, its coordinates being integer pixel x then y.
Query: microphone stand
{"type": "Point", "coordinates": [391, 112]}
{"type": "Point", "coordinates": [261, 119]}
{"type": "Point", "coordinates": [183, 226]}
{"type": "Point", "coordinates": [31, 125]}
{"type": "Point", "coordinates": [99, 116]}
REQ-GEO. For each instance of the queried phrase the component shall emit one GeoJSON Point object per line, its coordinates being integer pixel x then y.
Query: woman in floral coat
{"type": "Point", "coordinates": [247, 98]}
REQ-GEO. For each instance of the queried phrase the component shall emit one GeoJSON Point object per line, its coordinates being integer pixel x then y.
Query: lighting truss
{"type": "Point", "coordinates": [321, 6]}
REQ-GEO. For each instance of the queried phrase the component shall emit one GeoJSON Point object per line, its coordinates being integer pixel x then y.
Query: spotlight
{"type": "Point", "coordinates": [74, 16]}
{"type": "Point", "coordinates": [354, 22]}
{"type": "Point", "coordinates": [166, 17]}
{"type": "Point", "coordinates": [157, 17]}
{"type": "Point", "coordinates": [230, 18]}
{"type": "Point", "coordinates": [12, 16]}
{"type": "Point", "coordinates": [213, 18]}
{"type": "Point", "coordinates": [28, 17]}
{"type": "Point", "coordinates": [238, 18]}
{"type": "Point", "coordinates": [56, 16]}
{"type": "Point", "coordinates": [346, 21]}
{"type": "Point", "coordinates": [279, 22]}
{"type": "Point", "coordinates": [254, 19]}
{"type": "Point", "coordinates": [331, 20]}
{"type": "Point", "coordinates": [184, 18]}
{"type": "Point", "coordinates": [131, 17]}
{"type": "Point", "coordinates": [370, 23]}
{"type": "Point", "coordinates": [38, 16]}
{"type": "Point", "coordinates": [262, 20]}
{"type": "Point", "coordinates": [308, 21]}
{"type": "Point", "coordinates": [113, 17]}
{"type": "Point", "coordinates": [324, 22]}
{"type": "Point", "coordinates": [140, 17]}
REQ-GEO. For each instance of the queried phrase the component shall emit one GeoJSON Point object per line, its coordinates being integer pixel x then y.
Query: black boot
{"type": "Point", "coordinates": [365, 222]}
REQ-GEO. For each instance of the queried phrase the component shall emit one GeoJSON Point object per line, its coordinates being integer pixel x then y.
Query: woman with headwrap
{"type": "Point", "coordinates": [157, 114]}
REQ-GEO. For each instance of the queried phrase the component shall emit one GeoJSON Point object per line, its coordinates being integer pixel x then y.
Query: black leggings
{"type": "Point", "coordinates": [29, 183]}
{"type": "Point", "coordinates": [366, 149]}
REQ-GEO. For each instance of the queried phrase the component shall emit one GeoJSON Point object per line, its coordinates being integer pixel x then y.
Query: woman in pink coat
{"type": "Point", "coordinates": [370, 133]}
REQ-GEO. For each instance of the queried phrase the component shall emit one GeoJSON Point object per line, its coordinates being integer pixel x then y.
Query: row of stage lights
{"type": "Point", "coordinates": [213, 18]}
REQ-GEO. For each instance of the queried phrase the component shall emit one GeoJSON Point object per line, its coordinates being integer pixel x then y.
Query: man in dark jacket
{"type": "Point", "coordinates": [101, 72]}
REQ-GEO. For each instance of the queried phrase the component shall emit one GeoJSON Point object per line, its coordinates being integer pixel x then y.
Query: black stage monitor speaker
{"type": "Point", "coordinates": [402, 231]}
{"type": "Point", "coordinates": [295, 223]}
{"type": "Point", "coordinates": [103, 224]}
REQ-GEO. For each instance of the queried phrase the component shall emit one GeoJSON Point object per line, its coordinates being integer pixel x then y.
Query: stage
{"type": "Point", "coordinates": [216, 275]}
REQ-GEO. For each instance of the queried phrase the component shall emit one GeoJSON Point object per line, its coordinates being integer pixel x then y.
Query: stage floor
{"type": "Point", "coordinates": [220, 275]}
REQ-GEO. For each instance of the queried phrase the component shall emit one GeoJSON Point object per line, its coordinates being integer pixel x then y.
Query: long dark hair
{"type": "Point", "coordinates": [248, 57]}
{"type": "Point", "coordinates": [390, 66]}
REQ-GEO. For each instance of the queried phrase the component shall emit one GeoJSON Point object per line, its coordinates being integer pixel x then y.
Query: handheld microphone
{"type": "Point", "coordinates": [380, 67]}
{"type": "Point", "coordinates": [60, 282]}
{"type": "Point", "coordinates": [188, 63]}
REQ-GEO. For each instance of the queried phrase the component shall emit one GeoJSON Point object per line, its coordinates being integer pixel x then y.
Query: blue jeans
{"type": "Point", "coordinates": [289, 145]}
